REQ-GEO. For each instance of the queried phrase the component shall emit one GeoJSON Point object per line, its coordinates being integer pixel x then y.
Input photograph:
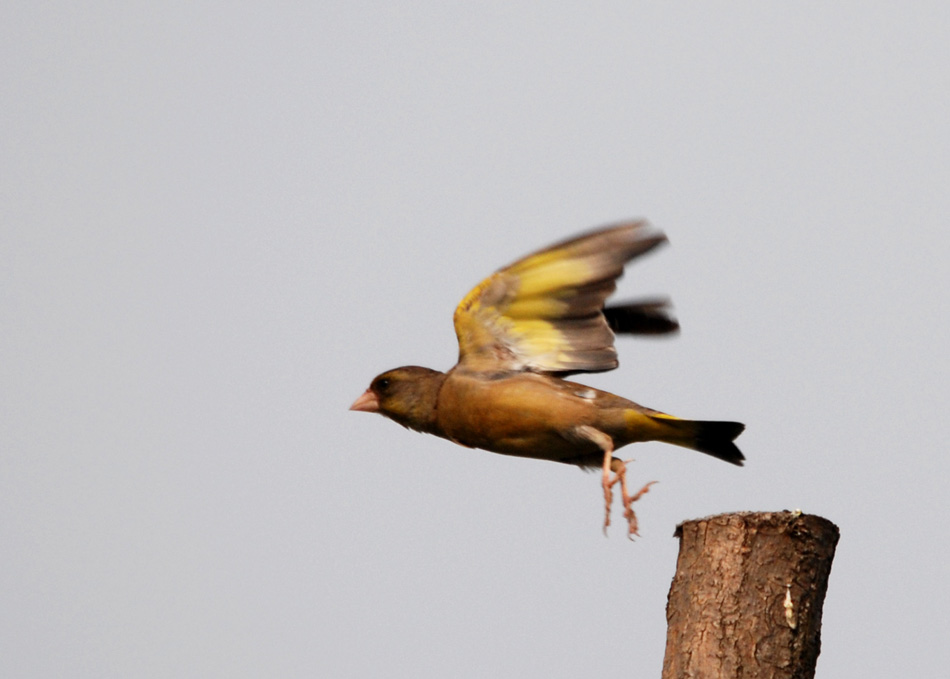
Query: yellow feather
{"type": "Point", "coordinates": [537, 279]}
{"type": "Point", "coordinates": [536, 307]}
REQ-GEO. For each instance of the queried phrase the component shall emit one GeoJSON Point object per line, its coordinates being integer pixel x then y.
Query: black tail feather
{"type": "Point", "coordinates": [716, 439]}
{"type": "Point", "coordinates": [641, 317]}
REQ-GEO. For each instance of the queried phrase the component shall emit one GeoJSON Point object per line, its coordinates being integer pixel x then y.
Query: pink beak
{"type": "Point", "coordinates": [367, 403]}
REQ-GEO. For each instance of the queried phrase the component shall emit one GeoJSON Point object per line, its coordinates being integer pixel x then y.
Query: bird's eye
{"type": "Point", "coordinates": [382, 384]}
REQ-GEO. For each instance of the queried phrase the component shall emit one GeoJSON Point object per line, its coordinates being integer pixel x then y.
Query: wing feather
{"type": "Point", "coordinates": [544, 312]}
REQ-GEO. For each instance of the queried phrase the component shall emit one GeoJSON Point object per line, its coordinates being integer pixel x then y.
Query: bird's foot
{"type": "Point", "coordinates": [628, 512]}
{"type": "Point", "coordinates": [619, 469]}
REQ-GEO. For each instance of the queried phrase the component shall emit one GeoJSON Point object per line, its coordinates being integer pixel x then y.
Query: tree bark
{"type": "Point", "coordinates": [747, 596]}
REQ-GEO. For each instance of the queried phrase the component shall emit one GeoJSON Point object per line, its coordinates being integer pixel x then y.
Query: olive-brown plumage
{"type": "Point", "coordinates": [521, 331]}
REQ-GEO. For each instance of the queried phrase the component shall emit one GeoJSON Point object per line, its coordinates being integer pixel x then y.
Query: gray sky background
{"type": "Point", "coordinates": [220, 222]}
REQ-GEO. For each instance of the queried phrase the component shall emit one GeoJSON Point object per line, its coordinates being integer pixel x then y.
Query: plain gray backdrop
{"type": "Point", "coordinates": [219, 221]}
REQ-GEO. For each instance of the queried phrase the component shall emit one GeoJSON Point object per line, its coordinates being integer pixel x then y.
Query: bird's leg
{"type": "Point", "coordinates": [606, 444]}
{"type": "Point", "coordinates": [619, 468]}
{"type": "Point", "coordinates": [608, 483]}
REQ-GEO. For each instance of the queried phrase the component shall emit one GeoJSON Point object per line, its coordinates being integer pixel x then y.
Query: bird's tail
{"type": "Point", "coordinates": [712, 438]}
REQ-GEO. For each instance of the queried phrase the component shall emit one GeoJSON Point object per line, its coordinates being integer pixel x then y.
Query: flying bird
{"type": "Point", "coordinates": [521, 332]}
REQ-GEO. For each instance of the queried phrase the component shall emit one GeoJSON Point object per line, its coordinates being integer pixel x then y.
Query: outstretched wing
{"type": "Point", "coordinates": [545, 312]}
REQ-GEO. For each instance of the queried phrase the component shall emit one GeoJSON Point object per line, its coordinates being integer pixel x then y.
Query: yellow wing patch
{"type": "Point", "coordinates": [548, 272]}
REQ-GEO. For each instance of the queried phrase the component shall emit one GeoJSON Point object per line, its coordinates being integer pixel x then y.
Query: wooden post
{"type": "Point", "coordinates": [747, 596]}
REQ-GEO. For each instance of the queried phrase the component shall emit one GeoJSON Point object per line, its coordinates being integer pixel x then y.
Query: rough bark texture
{"type": "Point", "coordinates": [747, 596]}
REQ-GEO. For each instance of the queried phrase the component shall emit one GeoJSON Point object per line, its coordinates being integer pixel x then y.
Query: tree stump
{"type": "Point", "coordinates": [747, 596]}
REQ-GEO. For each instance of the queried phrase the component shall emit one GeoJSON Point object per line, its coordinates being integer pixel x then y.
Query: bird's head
{"type": "Point", "coordinates": [405, 395]}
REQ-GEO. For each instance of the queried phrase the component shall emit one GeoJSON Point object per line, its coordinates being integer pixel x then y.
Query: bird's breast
{"type": "Point", "coordinates": [524, 415]}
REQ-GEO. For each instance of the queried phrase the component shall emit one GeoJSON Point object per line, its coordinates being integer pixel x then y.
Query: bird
{"type": "Point", "coordinates": [525, 329]}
